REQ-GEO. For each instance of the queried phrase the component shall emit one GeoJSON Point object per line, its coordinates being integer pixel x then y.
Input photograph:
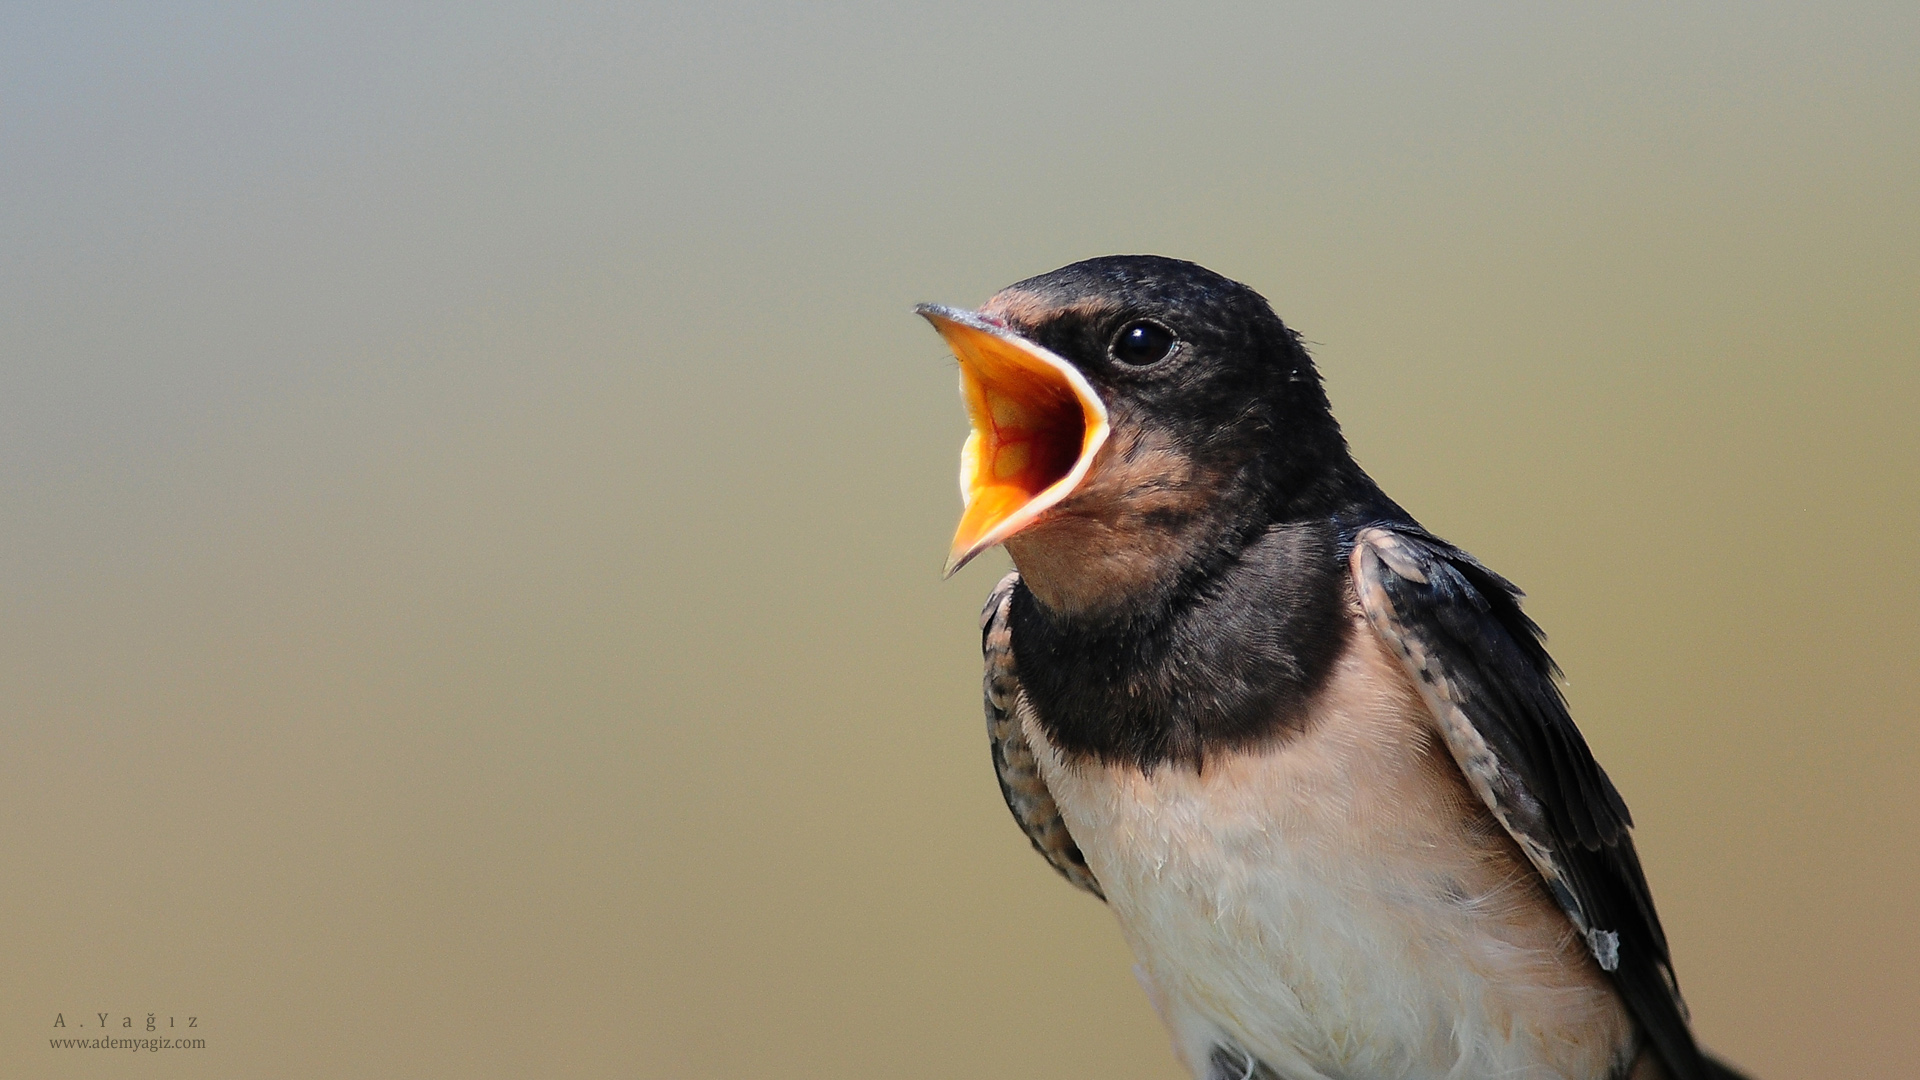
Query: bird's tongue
{"type": "Point", "coordinates": [1036, 427]}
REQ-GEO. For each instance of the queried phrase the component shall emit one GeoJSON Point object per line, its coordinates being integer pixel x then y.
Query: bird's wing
{"type": "Point", "coordinates": [1020, 781]}
{"type": "Point", "coordinates": [1480, 664]}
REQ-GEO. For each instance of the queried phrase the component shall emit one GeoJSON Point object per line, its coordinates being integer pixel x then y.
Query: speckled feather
{"type": "Point", "coordinates": [1020, 781]}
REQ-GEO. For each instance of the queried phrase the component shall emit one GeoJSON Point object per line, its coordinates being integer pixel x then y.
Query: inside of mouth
{"type": "Point", "coordinates": [1028, 433]}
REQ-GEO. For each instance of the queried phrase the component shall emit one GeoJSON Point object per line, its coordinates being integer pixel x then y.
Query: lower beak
{"type": "Point", "coordinates": [1036, 426]}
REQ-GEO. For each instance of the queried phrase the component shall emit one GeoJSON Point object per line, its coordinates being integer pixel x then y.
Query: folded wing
{"type": "Point", "coordinates": [1020, 781]}
{"type": "Point", "coordinates": [1482, 668]}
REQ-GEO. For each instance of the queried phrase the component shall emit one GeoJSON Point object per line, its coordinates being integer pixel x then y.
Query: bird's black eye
{"type": "Point", "coordinates": [1142, 343]}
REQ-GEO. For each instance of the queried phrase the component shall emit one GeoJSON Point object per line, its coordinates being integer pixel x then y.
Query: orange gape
{"type": "Point", "coordinates": [1036, 426]}
{"type": "Point", "coordinates": [1026, 441]}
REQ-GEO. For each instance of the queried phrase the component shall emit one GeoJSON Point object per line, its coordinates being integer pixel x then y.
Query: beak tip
{"type": "Point", "coordinates": [956, 560]}
{"type": "Point", "coordinates": [943, 316]}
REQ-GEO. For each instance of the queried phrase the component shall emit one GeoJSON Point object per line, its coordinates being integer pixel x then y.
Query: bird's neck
{"type": "Point", "coordinates": [1215, 663]}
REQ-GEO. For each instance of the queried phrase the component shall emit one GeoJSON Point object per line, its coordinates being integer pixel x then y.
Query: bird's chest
{"type": "Point", "coordinates": [1338, 904]}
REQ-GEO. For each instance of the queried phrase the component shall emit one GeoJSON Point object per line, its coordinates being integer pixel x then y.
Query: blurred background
{"type": "Point", "coordinates": [472, 497]}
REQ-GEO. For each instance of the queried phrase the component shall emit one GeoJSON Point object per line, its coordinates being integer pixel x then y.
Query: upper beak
{"type": "Point", "coordinates": [1036, 426]}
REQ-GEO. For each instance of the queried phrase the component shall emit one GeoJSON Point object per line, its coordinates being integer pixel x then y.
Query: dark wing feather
{"type": "Point", "coordinates": [1481, 666]}
{"type": "Point", "coordinates": [1020, 781]}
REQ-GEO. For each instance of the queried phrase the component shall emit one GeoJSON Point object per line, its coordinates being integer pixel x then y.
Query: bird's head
{"type": "Point", "coordinates": [1135, 419]}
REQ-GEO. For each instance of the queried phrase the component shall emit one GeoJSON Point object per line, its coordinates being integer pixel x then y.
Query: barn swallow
{"type": "Point", "coordinates": [1314, 757]}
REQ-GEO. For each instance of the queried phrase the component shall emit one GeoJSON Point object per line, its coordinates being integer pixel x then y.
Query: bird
{"type": "Point", "coordinates": [1315, 758]}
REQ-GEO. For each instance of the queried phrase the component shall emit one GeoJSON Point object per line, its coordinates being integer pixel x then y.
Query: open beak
{"type": "Point", "coordinates": [1036, 427]}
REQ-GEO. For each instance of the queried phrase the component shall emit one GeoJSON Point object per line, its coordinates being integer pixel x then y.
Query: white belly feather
{"type": "Point", "coordinates": [1339, 904]}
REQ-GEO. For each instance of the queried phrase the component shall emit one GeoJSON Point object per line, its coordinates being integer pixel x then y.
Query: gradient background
{"type": "Point", "coordinates": [472, 497]}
